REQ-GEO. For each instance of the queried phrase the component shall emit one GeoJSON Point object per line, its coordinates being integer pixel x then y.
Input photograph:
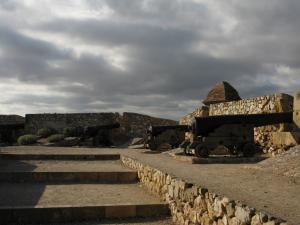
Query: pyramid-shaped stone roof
{"type": "Point", "coordinates": [222, 92]}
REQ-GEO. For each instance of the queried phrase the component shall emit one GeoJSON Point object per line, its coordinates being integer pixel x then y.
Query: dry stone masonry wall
{"type": "Point", "coordinates": [132, 124]}
{"type": "Point", "coordinates": [263, 104]}
{"type": "Point", "coordinates": [191, 204]}
{"type": "Point", "coordinates": [199, 112]}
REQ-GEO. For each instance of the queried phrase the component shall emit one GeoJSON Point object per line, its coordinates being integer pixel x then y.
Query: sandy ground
{"type": "Point", "coordinates": [62, 166]}
{"type": "Point", "coordinates": [263, 188]}
{"type": "Point", "coordinates": [73, 194]}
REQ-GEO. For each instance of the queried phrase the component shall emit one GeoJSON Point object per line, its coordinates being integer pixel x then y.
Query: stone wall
{"type": "Point", "coordinates": [199, 112]}
{"type": "Point", "coordinates": [59, 121]}
{"type": "Point", "coordinates": [263, 104]}
{"type": "Point", "coordinates": [11, 119]}
{"type": "Point", "coordinates": [132, 124]}
{"type": "Point", "coordinates": [136, 124]}
{"type": "Point", "coordinates": [192, 204]}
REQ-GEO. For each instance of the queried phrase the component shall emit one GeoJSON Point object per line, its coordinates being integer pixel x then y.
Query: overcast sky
{"type": "Point", "coordinates": [157, 57]}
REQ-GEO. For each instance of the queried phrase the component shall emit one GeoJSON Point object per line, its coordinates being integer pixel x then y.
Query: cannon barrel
{"type": "Point", "coordinates": [202, 126]}
{"type": "Point", "coordinates": [91, 131]}
{"type": "Point", "coordinates": [156, 130]}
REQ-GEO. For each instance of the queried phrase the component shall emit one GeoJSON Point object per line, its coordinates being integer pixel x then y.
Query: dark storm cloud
{"type": "Point", "coordinates": [173, 51]}
{"type": "Point", "coordinates": [116, 33]}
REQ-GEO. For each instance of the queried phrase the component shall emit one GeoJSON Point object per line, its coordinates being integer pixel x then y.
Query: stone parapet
{"type": "Point", "coordinates": [192, 204]}
{"type": "Point", "coordinates": [262, 104]}
{"type": "Point", "coordinates": [132, 124]}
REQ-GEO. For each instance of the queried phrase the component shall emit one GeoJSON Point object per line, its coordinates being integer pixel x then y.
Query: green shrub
{"type": "Point", "coordinates": [55, 138]}
{"type": "Point", "coordinates": [45, 132]}
{"type": "Point", "coordinates": [71, 132]}
{"type": "Point", "coordinates": [27, 139]}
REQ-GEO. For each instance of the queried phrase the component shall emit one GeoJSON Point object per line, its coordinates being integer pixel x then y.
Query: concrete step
{"type": "Point", "coordinates": [48, 203]}
{"type": "Point", "coordinates": [65, 171]}
{"type": "Point", "coordinates": [69, 156]}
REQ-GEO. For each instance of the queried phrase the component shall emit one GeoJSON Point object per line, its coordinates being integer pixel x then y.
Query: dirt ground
{"type": "Point", "coordinates": [264, 185]}
{"type": "Point", "coordinates": [286, 164]}
{"type": "Point", "coordinates": [62, 166]}
{"type": "Point", "coordinates": [28, 194]}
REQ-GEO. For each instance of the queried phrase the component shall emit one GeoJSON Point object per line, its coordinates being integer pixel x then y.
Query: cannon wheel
{"type": "Point", "coordinates": [153, 145]}
{"type": "Point", "coordinates": [248, 149]}
{"type": "Point", "coordinates": [184, 146]}
{"type": "Point", "coordinates": [201, 151]}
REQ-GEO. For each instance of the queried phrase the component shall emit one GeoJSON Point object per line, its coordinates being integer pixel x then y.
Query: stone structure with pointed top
{"type": "Point", "coordinates": [222, 92]}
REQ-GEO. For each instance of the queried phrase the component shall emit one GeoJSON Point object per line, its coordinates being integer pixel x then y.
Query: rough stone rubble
{"type": "Point", "coordinates": [191, 204]}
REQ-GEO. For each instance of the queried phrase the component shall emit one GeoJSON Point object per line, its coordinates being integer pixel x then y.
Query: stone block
{"type": "Point", "coordinates": [243, 214]}
{"type": "Point", "coordinates": [120, 211]}
{"type": "Point", "coordinates": [259, 219]}
{"type": "Point", "coordinates": [285, 138]}
{"type": "Point", "coordinates": [297, 109]}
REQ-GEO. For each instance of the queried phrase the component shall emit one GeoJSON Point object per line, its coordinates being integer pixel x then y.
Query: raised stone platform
{"type": "Point", "coordinates": [218, 159]}
{"type": "Point", "coordinates": [61, 156]}
{"type": "Point", "coordinates": [38, 203]}
{"type": "Point", "coordinates": [246, 184]}
{"type": "Point", "coordinates": [68, 177]}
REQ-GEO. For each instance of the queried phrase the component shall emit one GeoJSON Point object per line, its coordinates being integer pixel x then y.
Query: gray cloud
{"type": "Point", "coordinates": [156, 57]}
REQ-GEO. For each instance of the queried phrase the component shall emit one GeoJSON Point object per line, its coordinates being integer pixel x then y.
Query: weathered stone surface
{"type": "Point", "coordinates": [234, 221]}
{"type": "Point", "coordinates": [137, 141]}
{"type": "Point", "coordinates": [262, 104]}
{"type": "Point", "coordinates": [230, 209]}
{"type": "Point", "coordinates": [195, 205]}
{"type": "Point", "coordinates": [285, 138]}
{"type": "Point", "coordinates": [222, 92]}
{"type": "Point", "coordinates": [243, 214]}
{"type": "Point", "coordinates": [219, 208]}
{"type": "Point", "coordinates": [259, 219]}
{"type": "Point", "coordinates": [132, 124]}
{"type": "Point", "coordinates": [69, 142]}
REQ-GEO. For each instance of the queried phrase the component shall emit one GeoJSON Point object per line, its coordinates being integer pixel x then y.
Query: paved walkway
{"type": "Point", "coordinates": [261, 189]}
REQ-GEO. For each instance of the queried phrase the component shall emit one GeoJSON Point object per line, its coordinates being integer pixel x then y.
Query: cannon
{"type": "Point", "coordinates": [100, 133]}
{"type": "Point", "coordinates": [234, 132]}
{"type": "Point", "coordinates": [91, 131]}
{"type": "Point", "coordinates": [171, 134]}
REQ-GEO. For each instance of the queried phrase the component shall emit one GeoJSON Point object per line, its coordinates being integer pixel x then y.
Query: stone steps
{"type": "Point", "coordinates": [59, 188]}
{"type": "Point", "coordinates": [62, 214]}
{"type": "Point", "coordinates": [74, 177]}
{"type": "Point", "coordinates": [40, 203]}
{"type": "Point", "coordinates": [25, 156]}
{"type": "Point", "coordinates": [60, 171]}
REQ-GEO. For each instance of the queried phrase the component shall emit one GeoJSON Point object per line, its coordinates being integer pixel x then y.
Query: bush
{"type": "Point", "coordinates": [44, 132]}
{"type": "Point", "coordinates": [27, 139]}
{"type": "Point", "coordinates": [72, 132]}
{"type": "Point", "coordinates": [55, 138]}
